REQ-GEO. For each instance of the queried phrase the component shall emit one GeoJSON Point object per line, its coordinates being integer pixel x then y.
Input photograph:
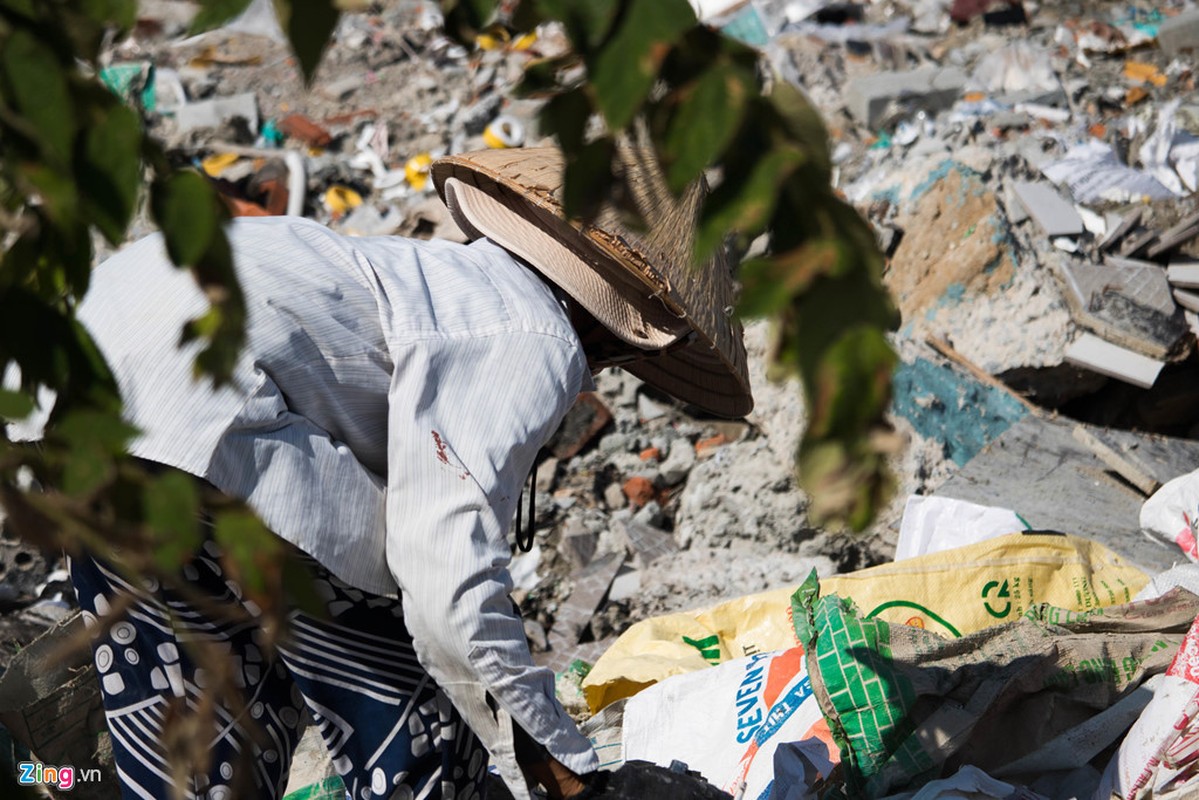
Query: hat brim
{"type": "Point", "coordinates": [710, 373]}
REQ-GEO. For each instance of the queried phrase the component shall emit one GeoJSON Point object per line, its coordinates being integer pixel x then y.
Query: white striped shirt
{"type": "Point", "coordinates": [386, 410]}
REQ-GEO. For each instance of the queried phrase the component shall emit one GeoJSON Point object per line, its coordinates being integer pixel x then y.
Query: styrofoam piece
{"type": "Point", "coordinates": [1184, 274]}
{"type": "Point", "coordinates": [1188, 300]}
{"type": "Point", "coordinates": [1055, 215]}
{"type": "Point", "coordinates": [1098, 355]}
{"type": "Point", "coordinates": [211, 113]}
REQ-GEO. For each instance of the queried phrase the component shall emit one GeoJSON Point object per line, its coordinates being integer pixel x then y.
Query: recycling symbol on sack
{"type": "Point", "coordinates": [1002, 593]}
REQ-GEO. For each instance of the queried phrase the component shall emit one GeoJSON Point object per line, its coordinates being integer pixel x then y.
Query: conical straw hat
{"type": "Point", "coordinates": [639, 283]}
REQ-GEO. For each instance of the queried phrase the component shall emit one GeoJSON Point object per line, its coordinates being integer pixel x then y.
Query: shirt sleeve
{"type": "Point", "coordinates": [467, 416]}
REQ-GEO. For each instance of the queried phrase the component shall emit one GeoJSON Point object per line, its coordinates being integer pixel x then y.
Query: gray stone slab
{"type": "Point", "coordinates": [1038, 469]}
{"type": "Point", "coordinates": [930, 88]}
{"type": "Point", "coordinates": [1127, 302]}
{"type": "Point", "coordinates": [1055, 215]}
{"type": "Point", "coordinates": [1179, 34]}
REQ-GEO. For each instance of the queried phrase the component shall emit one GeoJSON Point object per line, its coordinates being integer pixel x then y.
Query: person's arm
{"type": "Point", "coordinates": [467, 417]}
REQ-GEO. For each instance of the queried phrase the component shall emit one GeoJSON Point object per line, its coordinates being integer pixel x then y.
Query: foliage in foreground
{"type": "Point", "coordinates": [74, 159]}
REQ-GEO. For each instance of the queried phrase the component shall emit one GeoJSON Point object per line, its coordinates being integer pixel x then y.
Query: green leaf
{"type": "Point", "coordinates": [22, 8]}
{"type": "Point", "coordinates": [109, 170]}
{"type": "Point", "coordinates": [309, 31]}
{"type": "Point", "coordinates": [746, 198]}
{"type": "Point", "coordinates": [565, 117]}
{"type": "Point", "coordinates": [15, 405]}
{"type": "Point", "coordinates": [171, 507]}
{"type": "Point", "coordinates": [588, 179]}
{"type": "Point", "coordinates": [623, 71]}
{"type": "Point", "coordinates": [709, 112]}
{"type": "Point", "coordinates": [215, 13]}
{"type": "Point", "coordinates": [805, 125]}
{"type": "Point", "coordinates": [587, 22]}
{"type": "Point", "coordinates": [464, 19]}
{"type": "Point", "coordinates": [37, 83]}
{"type": "Point", "coordinates": [86, 469]}
{"type": "Point", "coordinates": [184, 206]}
{"type": "Point", "coordinates": [121, 13]}
{"type": "Point", "coordinates": [250, 548]}
{"type": "Point", "coordinates": [104, 431]}
{"type": "Point", "coordinates": [57, 191]}
{"type": "Point", "coordinates": [224, 325]}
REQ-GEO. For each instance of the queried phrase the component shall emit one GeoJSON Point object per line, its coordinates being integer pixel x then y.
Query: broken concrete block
{"type": "Point", "coordinates": [585, 419]}
{"type": "Point", "coordinates": [578, 547]}
{"type": "Point", "coordinates": [928, 88]}
{"type": "Point", "coordinates": [1097, 355]}
{"type": "Point", "coordinates": [1055, 215]}
{"type": "Point", "coordinates": [625, 586]}
{"type": "Point", "coordinates": [1126, 302]}
{"type": "Point", "coordinates": [1188, 300]}
{"type": "Point", "coordinates": [679, 462]}
{"type": "Point", "coordinates": [1185, 274]}
{"type": "Point", "coordinates": [1179, 34]}
{"type": "Point", "coordinates": [213, 113]}
{"type": "Point", "coordinates": [647, 542]}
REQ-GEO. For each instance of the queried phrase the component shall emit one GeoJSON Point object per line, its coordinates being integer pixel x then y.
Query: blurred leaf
{"type": "Point", "coordinates": [708, 114]}
{"type": "Point", "coordinates": [184, 206]}
{"type": "Point", "coordinates": [23, 8]}
{"type": "Point", "coordinates": [37, 82]}
{"type": "Point", "coordinates": [309, 31]}
{"type": "Point", "coordinates": [215, 13]}
{"type": "Point", "coordinates": [851, 386]}
{"type": "Point", "coordinates": [301, 591]}
{"type": "Point", "coordinates": [225, 329]}
{"type": "Point", "coordinates": [565, 117]}
{"type": "Point", "coordinates": [68, 251]}
{"type": "Point", "coordinates": [541, 76]}
{"type": "Point", "coordinates": [846, 483]}
{"type": "Point", "coordinates": [250, 550]}
{"type": "Point", "coordinates": [56, 189]}
{"type": "Point", "coordinates": [745, 199]}
{"type": "Point", "coordinates": [109, 170]}
{"type": "Point", "coordinates": [587, 22]}
{"type": "Point", "coordinates": [588, 178]}
{"type": "Point", "coordinates": [107, 432]}
{"type": "Point", "coordinates": [464, 19]}
{"type": "Point", "coordinates": [121, 13]}
{"type": "Point", "coordinates": [623, 72]}
{"type": "Point", "coordinates": [172, 510]}
{"type": "Point", "coordinates": [15, 405]}
{"type": "Point", "coordinates": [61, 355]}
{"type": "Point", "coordinates": [805, 125]}
{"type": "Point", "coordinates": [769, 283]}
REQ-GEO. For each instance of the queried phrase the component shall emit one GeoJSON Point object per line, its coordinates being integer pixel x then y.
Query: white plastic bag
{"type": "Point", "coordinates": [1169, 516]}
{"type": "Point", "coordinates": [727, 722]}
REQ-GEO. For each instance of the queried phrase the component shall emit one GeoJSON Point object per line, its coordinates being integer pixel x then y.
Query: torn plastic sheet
{"type": "Point", "coordinates": [1172, 154]}
{"type": "Point", "coordinates": [1093, 173]}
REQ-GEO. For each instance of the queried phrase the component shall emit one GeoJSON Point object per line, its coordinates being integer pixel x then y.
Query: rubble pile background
{"type": "Point", "coordinates": [1029, 168]}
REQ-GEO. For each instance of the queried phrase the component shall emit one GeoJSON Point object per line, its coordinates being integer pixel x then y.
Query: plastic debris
{"type": "Point", "coordinates": [416, 171]}
{"type": "Point", "coordinates": [504, 131]}
{"type": "Point", "coordinates": [339, 200]}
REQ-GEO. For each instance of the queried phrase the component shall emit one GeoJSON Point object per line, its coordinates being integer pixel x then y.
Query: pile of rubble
{"type": "Point", "coordinates": [1029, 168]}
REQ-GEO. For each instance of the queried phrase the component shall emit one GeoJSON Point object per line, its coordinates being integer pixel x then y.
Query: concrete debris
{"type": "Point", "coordinates": [1179, 34]}
{"type": "Point", "coordinates": [1054, 215]}
{"type": "Point", "coordinates": [1031, 170]}
{"type": "Point", "coordinates": [1112, 360]}
{"type": "Point", "coordinates": [870, 99]}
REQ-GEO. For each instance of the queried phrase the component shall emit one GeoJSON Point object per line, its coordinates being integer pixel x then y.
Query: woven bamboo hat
{"type": "Point", "coordinates": [640, 284]}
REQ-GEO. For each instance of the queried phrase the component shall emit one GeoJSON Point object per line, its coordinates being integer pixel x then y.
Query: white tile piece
{"type": "Point", "coordinates": [1101, 356]}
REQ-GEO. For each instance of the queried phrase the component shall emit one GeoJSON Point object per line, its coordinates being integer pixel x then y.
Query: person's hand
{"type": "Point", "coordinates": [558, 780]}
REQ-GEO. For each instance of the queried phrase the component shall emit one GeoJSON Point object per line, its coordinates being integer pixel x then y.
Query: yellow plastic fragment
{"type": "Point", "coordinates": [217, 163]}
{"type": "Point", "coordinates": [416, 171]}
